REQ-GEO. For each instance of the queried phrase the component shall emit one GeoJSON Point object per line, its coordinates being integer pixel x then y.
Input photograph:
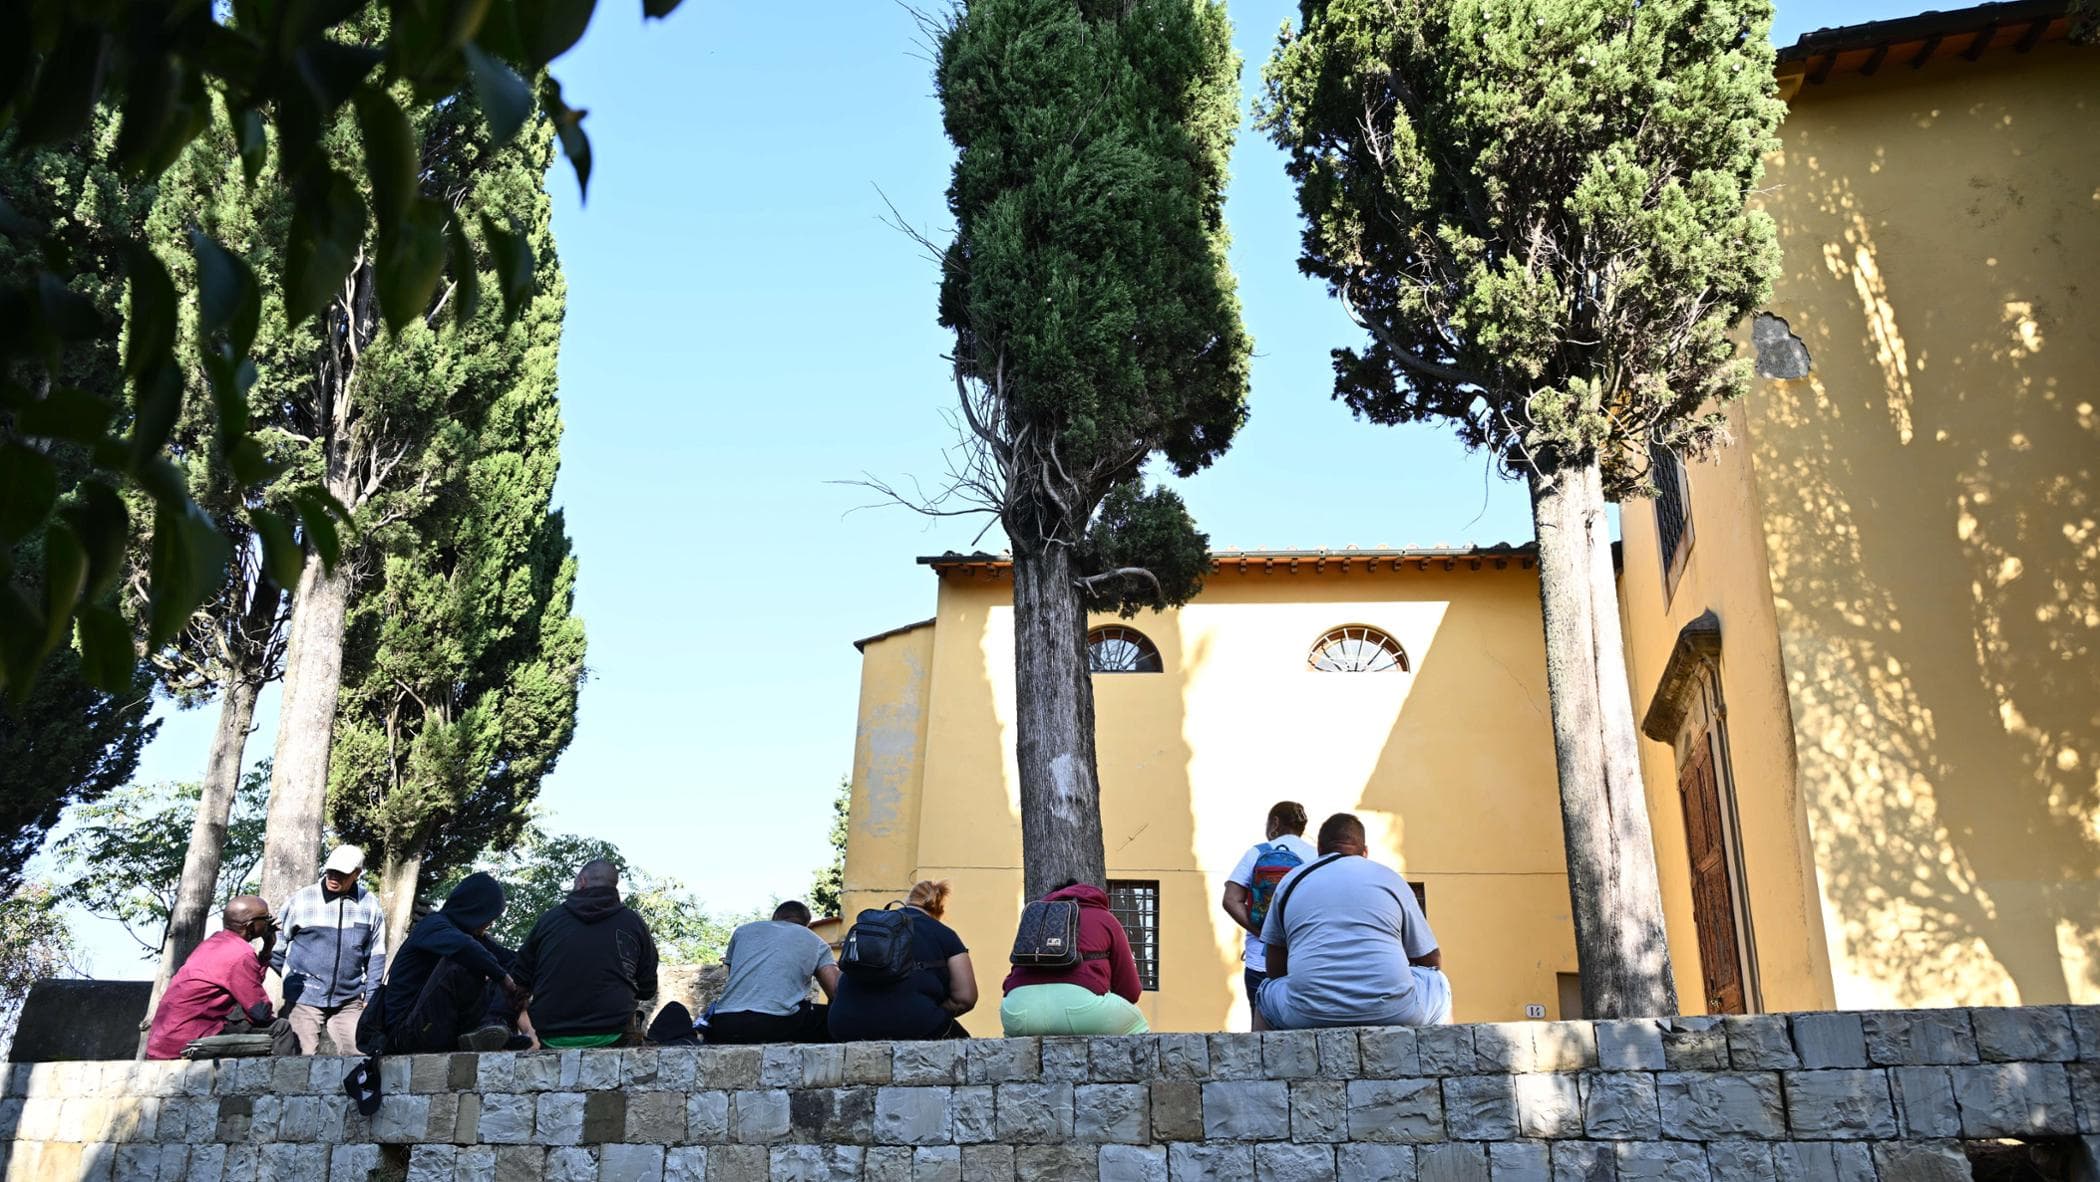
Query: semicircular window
{"type": "Point", "coordinates": [1356, 648]}
{"type": "Point", "coordinates": [1113, 648]}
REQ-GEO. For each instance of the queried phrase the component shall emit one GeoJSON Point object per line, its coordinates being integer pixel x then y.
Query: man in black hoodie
{"type": "Point", "coordinates": [586, 964]}
{"type": "Point", "coordinates": [451, 985]}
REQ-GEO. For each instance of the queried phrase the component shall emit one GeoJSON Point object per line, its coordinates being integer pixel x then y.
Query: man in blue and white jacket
{"type": "Point", "coordinates": [334, 953]}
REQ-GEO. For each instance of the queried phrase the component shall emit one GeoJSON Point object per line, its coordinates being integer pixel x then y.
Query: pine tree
{"type": "Point", "coordinates": [1536, 211]}
{"type": "Point", "coordinates": [1096, 328]}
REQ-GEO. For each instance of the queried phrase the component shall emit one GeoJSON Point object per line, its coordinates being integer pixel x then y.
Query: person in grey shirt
{"type": "Point", "coordinates": [1348, 945]}
{"type": "Point", "coordinates": [771, 964]}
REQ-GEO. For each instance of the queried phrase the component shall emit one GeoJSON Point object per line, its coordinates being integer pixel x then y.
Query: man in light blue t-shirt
{"type": "Point", "coordinates": [1347, 945]}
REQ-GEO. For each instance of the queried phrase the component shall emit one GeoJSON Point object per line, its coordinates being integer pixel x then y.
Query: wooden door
{"type": "Point", "coordinates": [1713, 901]}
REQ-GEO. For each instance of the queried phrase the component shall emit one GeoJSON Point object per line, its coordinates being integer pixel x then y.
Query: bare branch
{"type": "Point", "coordinates": [1122, 572]}
{"type": "Point", "coordinates": [1415, 362]}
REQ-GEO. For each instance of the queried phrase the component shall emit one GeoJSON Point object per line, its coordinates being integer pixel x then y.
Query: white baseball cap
{"type": "Point", "coordinates": [347, 859]}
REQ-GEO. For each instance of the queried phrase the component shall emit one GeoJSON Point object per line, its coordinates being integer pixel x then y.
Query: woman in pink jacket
{"type": "Point", "coordinates": [1098, 995]}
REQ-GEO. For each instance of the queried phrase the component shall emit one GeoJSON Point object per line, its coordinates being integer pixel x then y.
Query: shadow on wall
{"type": "Point", "coordinates": [1929, 497]}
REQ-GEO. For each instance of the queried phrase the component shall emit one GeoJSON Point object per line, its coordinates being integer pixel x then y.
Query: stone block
{"type": "Point", "coordinates": [1548, 1105]}
{"type": "Point", "coordinates": [1320, 1111]}
{"type": "Point", "coordinates": [1564, 1046]}
{"type": "Point", "coordinates": [1840, 1105]}
{"type": "Point", "coordinates": [1621, 1106]}
{"type": "Point", "coordinates": [823, 1066]}
{"type": "Point", "coordinates": [780, 1067]}
{"type": "Point", "coordinates": [557, 1118]}
{"type": "Point", "coordinates": [1035, 1114]}
{"type": "Point", "coordinates": [976, 1114]}
{"type": "Point", "coordinates": [139, 1163]}
{"type": "Point", "coordinates": [1290, 1054]}
{"type": "Point", "coordinates": [1660, 1161]}
{"type": "Point", "coordinates": [653, 1118]}
{"type": "Point", "coordinates": [574, 1164]}
{"type": "Point", "coordinates": [757, 1117]}
{"type": "Point", "coordinates": [1183, 1056]}
{"type": "Point", "coordinates": [1829, 1040]}
{"type": "Point", "coordinates": [1826, 1161]}
{"type": "Point", "coordinates": [1480, 1107]}
{"type": "Point", "coordinates": [476, 1163]}
{"type": "Point", "coordinates": [1922, 1161]}
{"type": "Point", "coordinates": [1925, 1104]}
{"type": "Point", "coordinates": [738, 1163]}
{"type": "Point", "coordinates": [638, 1068]}
{"type": "Point", "coordinates": [2085, 1024]}
{"type": "Point", "coordinates": [1584, 1161]}
{"type": "Point", "coordinates": [536, 1071]}
{"type": "Point", "coordinates": [1912, 1038]}
{"type": "Point", "coordinates": [707, 1116]}
{"type": "Point", "coordinates": [444, 1114]}
{"type": "Point", "coordinates": [1760, 1042]}
{"type": "Point", "coordinates": [1371, 1162]}
{"type": "Point", "coordinates": [1445, 1050]}
{"type": "Point", "coordinates": [2014, 1100]}
{"type": "Point", "coordinates": [1520, 1161]}
{"type": "Point", "coordinates": [2031, 1034]}
{"type": "Point", "coordinates": [939, 1163]}
{"type": "Point", "coordinates": [1247, 1110]}
{"type": "Point", "coordinates": [645, 1163]}
{"type": "Point", "coordinates": [525, 1163]}
{"type": "Point", "coordinates": [987, 1163]}
{"type": "Point", "coordinates": [405, 1119]}
{"type": "Point", "coordinates": [727, 1069]}
{"type": "Point", "coordinates": [1721, 1106]}
{"type": "Point", "coordinates": [426, 1074]}
{"type": "Point", "coordinates": [496, 1071]}
{"type": "Point", "coordinates": [686, 1163]}
{"type": "Point", "coordinates": [1129, 1058]}
{"type": "Point", "coordinates": [1739, 1161]}
{"type": "Point", "coordinates": [1503, 1046]}
{"type": "Point", "coordinates": [426, 1163]}
{"type": "Point", "coordinates": [1695, 1044]}
{"type": "Point", "coordinates": [1210, 1161]}
{"type": "Point", "coordinates": [347, 1163]}
{"type": "Point", "coordinates": [677, 1069]}
{"type": "Point", "coordinates": [924, 1064]}
{"type": "Point", "coordinates": [1235, 1056]}
{"type": "Point", "coordinates": [1177, 1111]}
{"type": "Point", "coordinates": [1065, 1060]}
{"type": "Point", "coordinates": [912, 1116]}
{"type": "Point", "coordinates": [604, 1116]}
{"type": "Point", "coordinates": [1453, 1162]}
{"type": "Point", "coordinates": [1341, 1053]}
{"type": "Point", "coordinates": [2085, 1095]}
{"type": "Point", "coordinates": [1054, 1163]}
{"type": "Point", "coordinates": [889, 1163]}
{"type": "Point", "coordinates": [1133, 1163]}
{"type": "Point", "coordinates": [1388, 1052]}
{"type": "Point", "coordinates": [1111, 1112]}
{"type": "Point", "coordinates": [816, 1163]}
{"type": "Point", "coordinates": [1294, 1163]}
{"type": "Point", "coordinates": [867, 1063]}
{"type": "Point", "coordinates": [1003, 1060]}
{"type": "Point", "coordinates": [828, 1115]}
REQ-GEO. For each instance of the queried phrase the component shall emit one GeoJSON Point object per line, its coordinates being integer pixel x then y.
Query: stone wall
{"type": "Point", "coordinates": [1839, 1097]}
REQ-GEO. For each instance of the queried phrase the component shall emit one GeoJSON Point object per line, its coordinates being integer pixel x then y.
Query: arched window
{"type": "Point", "coordinates": [1356, 648]}
{"type": "Point", "coordinates": [1113, 648]}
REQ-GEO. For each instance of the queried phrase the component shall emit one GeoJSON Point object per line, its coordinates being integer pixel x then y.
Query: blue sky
{"type": "Point", "coordinates": [744, 330]}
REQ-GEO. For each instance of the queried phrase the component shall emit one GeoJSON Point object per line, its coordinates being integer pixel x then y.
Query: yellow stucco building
{"type": "Point", "coordinates": [1860, 640]}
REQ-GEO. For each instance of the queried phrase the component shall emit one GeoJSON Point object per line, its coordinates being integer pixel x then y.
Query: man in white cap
{"type": "Point", "coordinates": [334, 953]}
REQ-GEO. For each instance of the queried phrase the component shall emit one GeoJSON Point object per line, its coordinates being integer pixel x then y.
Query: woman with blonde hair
{"type": "Point", "coordinates": [926, 997]}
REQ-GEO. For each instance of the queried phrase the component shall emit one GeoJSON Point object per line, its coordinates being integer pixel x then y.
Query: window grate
{"type": "Point", "coordinates": [1115, 649]}
{"type": "Point", "coordinates": [1355, 648]}
{"type": "Point", "coordinates": [1670, 511]}
{"type": "Point", "coordinates": [1136, 904]}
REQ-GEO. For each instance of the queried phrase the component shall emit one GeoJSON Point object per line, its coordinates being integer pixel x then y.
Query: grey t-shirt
{"type": "Point", "coordinates": [770, 966]}
{"type": "Point", "coordinates": [1350, 930]}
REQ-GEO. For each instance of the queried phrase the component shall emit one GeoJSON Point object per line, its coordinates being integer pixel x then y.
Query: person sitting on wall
{"type": "Point", "coordinates": [451, 987]}
{"type": "Point", "coordinates": [1096, 994]}
{"type": "Point", "coordinates": [1347, 945]}
{"type": "Point", "coordinates": [587, 963]}
{"type": "Point", "coordinates": [334, 953]}
{"type": "Point", "coordinates": [219, 989]}
{"type": "Point", "coordinates": [922, 997]}
{"type": "Point", "coordinates": [1251, 886]}
{"type": "Point", "coordinates": [771, 963]}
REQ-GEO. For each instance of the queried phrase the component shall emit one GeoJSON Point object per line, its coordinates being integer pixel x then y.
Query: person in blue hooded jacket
{"type": "Point", "coordinates": [451, 986]}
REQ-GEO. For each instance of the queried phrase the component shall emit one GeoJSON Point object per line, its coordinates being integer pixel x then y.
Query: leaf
{"type": "Point", "coordinates": [14, 225]}
{"type": "Point", "coordinates": [28, 489]}
{"type": "Point", "coordinates": [250, 140]}
{"type": "Point", "coordinates": [65, 577]}
{"type": "Point", "coordinates": [550, 27]}
{"type": "Point", "coordinates": [103, 525]}
{"type": "Point", "coordinates": [327, 226]}
{"type": "Point", "coordinates": [513, 258]}
{"type": "Point", "coordinates": [391, 157]}
{"type": "Point", "coordinates": [65, 313]}
{"type": "Point", "coordinates": [659, 9]}
{"type": "Point", "coordinates": [281, 554]}
{"type": "Point", "coordinates": [229, 377]}
{"type": "Point", "coordinates": [504, 98]}
{"type": "Point", "coordinates": [411, 262]}
{"type": "Point", "coordinates": [156, 405]}
{"type": "Point", "coordinates": [188, 564]}
{"type": "Point", "coordinates": [333, 70]}
{"type": "Point", "coordinates": [568, 126]}
{"type": "Point", "coordinates": [66, 87]}
{"type": "Point", "coordinates": [228, 298]}
{"type": "Point", "coordinates": [250, 466]}
{"type": "Point", "coordinates": [466, 272]}
{"type": "Point", "coordinates": [107, 657]}
{"type": "Point", "coordinates": [150, 329]}
{"type": "Point", "coordinates": [319, 512]}
{"type": "Point", "coordinates": [73, 415]}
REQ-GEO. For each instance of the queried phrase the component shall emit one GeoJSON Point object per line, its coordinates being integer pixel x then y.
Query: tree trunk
{"type": "Point", "coordinates": [313, 672]}
{"type": "Point", "coordinates": [199, 887]}
{"type": "Point", "coordinates": [397, 886]}
{"type": "Point", "coordinates": [1054, 725]}
{"type": "Point", "coordinates": [1619, 934]}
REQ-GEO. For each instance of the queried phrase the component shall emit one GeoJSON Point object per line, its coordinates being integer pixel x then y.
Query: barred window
{"type": "Point", "coordinates": [1116, 649]}
{"type": "Point", "coordinates": [1356, 648]}
{"type": "Point", "coordinates": [1672, 512]}
{"type": "Point", "coordinates": [1136, 904]}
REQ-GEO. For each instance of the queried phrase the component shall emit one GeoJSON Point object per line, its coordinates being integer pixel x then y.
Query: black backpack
{"type": "Point", "coordinates": [1048, 937]}
{"type": "Point", "coordinates": [878, 947]}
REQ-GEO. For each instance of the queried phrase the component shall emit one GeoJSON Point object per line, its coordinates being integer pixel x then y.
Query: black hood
{"type": "Point", "coordinates": [592, 904]}
{"type": "Point", "coordinates": [475, 902]}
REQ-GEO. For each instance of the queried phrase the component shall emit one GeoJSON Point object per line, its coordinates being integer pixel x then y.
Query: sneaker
{"type": "Point", "coordinates": [488, 1038]}
{"type": "Point", "coordinates": [518, 1042]}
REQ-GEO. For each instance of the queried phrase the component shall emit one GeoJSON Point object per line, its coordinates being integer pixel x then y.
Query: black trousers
{"type": "Point", "coordinates": [810, 1023]}
{"type": "Point", "coordinates": [455, 1001]}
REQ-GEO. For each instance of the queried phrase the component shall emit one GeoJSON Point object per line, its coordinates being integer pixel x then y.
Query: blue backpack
{"type": "Point", "coordinates": [878, 947]}
{"type": "Point", "coordinates": [1270, 866]}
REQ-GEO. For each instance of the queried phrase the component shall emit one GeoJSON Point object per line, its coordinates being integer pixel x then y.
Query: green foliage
{"type": "Point", "coordinates": [539, 869]}
{"type": "Point", "coordinates": [1088, 287]}
{"type": "Point", "coordinates": [274, 80]}
{"type": "Point", "coordinates": [122, 856]}
{"type": "Point", "coordinates": [1536, 209]}
{"type": "Point", "coordinates": [35, 943]}
{"type": "Point", "coordinates": [1146, 549]}
{"type": "Point", "coordinates": [66, 744]}
{"type": "Point", "coordinates": [830, 883]}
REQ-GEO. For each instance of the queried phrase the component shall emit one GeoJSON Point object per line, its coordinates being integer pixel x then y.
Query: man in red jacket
{"type": "Point", "coordinates": [1098, 995]}
{"type": "Point", "coordinates": [219, 989]}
